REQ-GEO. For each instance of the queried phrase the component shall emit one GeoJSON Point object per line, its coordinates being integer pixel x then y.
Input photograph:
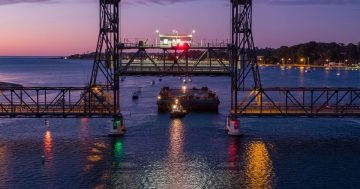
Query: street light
{"type": "Point", "coordinates": [302, 60]}
{"type": "Point", "coordinates": [157, 32]}
{"type": "Point", "coordinates": [192, 33]}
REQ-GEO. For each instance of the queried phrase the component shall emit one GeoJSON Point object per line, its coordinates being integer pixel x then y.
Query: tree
{"type": "Point", "coordinates": [352, 54]}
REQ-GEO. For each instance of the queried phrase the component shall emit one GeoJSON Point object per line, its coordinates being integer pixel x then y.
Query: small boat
{"type": "Point", "coordinates": [47, 124]}
{"type": "Point", "coordinates": [177, 111]}
{"type": "Point", "coordinates": [152, 82]}
{"type": "Point", "coordinates": [338, 74]}
{"type": "Point", "coordinates": [136, 95]}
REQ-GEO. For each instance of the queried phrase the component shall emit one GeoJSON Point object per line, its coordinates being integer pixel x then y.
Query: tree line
{"type": "Point", "coordinates": [313, 53]}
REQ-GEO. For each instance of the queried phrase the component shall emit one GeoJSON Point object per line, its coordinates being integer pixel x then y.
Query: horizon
{"type": "Point", "coordinates": [42, 21]}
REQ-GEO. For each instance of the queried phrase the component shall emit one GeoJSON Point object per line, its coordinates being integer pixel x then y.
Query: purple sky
{"type": "Point", "coordinates": [62, 27]}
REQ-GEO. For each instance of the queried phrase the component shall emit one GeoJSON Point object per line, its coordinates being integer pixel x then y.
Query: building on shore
{"type": "Point", "coordinates": [335, 65]}
{"type": "Point", "coordinates": [174, 39]}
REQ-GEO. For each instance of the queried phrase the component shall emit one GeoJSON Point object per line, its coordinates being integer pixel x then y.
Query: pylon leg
{"type": "Point", "coordinates": [118, 126]}
{"type": "Point", "coordinates": [233, 126]}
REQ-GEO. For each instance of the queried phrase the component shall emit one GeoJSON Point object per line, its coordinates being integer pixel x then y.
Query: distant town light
{"type": "Point", "coordinates": [184, 88]}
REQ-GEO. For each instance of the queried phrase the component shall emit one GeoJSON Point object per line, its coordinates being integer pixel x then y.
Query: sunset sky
{"type": "Point", "coordinates": [63, 27]}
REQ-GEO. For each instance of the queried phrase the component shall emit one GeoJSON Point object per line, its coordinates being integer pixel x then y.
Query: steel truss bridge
{"type": "Point", "coordinates": [174, 60]}
{"type": "Point", "coordinates": [101, 97]}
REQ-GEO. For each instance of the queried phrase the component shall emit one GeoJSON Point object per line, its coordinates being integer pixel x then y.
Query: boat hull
{"type": "Point", "coordinates": [177, 115]}
{"type": "Point", "coordinates": [190, 105]}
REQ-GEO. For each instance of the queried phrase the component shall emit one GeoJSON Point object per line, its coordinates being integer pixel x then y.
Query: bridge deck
{"type": "Point", "coordinates": [310, 102]}
{"type": "Point", "coordinates": [53, 102]}
{"type": "Point", "coordinates": [257, 111]}
{"type": "Point", "coordinates": [86, 102]}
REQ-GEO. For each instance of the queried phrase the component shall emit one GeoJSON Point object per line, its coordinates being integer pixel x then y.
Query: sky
{"type": "Point", "coordinates": [64, 27]}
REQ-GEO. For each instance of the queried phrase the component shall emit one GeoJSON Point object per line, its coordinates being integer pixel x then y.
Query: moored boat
{"type": "Point", "coordinates": [177, 111]}
{"type": "Point", "coordinates": [193, 99]}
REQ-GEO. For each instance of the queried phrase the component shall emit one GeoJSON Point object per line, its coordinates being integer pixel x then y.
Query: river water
{"type": "Point", "coordinates": [158, 152]}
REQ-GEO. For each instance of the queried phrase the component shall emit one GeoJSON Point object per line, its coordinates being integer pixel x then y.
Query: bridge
{"type": "Point", "coordinates": [309, 102]}
{"type": "Point", "coordinates": [175, 60]}
{"type": "Point", "coordinates": [100, 98]}
{"type": "Point", "coordinates": [54, 102]}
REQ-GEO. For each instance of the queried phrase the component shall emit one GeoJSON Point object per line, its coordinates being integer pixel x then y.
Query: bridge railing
{"type": "Point", "coordinates": [175, 70]}
{"type": "Point", "coordinates": [171, 60]}
{"type": "Point", "coordinates": [301, 102]}
{"type": "Point", "coordinates": [54, 101]}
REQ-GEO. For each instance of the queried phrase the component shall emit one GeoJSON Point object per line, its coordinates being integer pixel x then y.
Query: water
{"type": "Point", "coordinates": [157, 152]}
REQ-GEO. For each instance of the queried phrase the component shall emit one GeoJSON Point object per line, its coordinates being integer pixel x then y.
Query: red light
{"type": "Point", "coordinates": [182, 46]}
{"type": "Point", "coordinates": [236, 124]}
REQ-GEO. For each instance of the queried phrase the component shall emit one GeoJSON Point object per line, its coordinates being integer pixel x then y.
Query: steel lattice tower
{"type": "Point", "coordinates": [242, 55]}
{"type": "Point", "coordinates": [107, 57]}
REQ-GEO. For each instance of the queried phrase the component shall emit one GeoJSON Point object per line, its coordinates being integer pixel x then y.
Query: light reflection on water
{"type": "Point", "coordinates": [258, 166]}
{"type": "Point", "coordinates": [193, 152]}
{"type": "Point", "coordinates": [4, 164]}
{"type": "Point", "coordinates": [176, 161]}
{"type": "Point", "coordinates": [48, 152]}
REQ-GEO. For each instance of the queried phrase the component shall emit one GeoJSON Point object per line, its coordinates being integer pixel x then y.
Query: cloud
{"type": "Point", "coordinates": [127, 2]}
{"type": "Point", "coordinates": [8, 2]}
{"type": "Point", "coordinates": [166, 2]}
{"type": "Point", "coordinates": [313, 2]}
{"type": "Point", "coordinates": [160, 2]}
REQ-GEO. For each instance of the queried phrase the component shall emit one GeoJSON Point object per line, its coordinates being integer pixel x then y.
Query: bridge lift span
{"type": "Point", "coordinates": [248, 97]}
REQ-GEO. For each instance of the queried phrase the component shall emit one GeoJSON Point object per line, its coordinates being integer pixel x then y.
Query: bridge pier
{"type": "Point", "coordinates": [118, 127]}
{"type": "Point", "coordinates": [233, 126]}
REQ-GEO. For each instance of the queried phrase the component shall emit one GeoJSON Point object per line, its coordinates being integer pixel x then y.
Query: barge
{"type": "Point", "coordinates": [193, 99]}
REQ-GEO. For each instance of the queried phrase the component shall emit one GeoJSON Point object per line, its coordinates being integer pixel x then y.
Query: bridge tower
{"type": "Point", "coordinates": [243, 60]}
{"type": "Point", "coordinates": [107, 60]}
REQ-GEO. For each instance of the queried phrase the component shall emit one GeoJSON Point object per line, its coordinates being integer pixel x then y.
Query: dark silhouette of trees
{"type": "Point", "coordinates": [314, 53]}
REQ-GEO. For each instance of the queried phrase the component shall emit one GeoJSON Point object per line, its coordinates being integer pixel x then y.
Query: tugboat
{"type": "Point", "coordinates": [177, 111]}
